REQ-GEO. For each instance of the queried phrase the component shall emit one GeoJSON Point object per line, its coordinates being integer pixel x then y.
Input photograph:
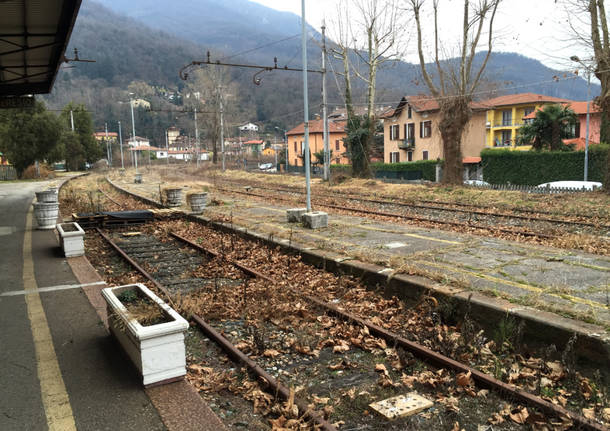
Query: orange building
{"type": "Point", "coordinates": [336, 136]}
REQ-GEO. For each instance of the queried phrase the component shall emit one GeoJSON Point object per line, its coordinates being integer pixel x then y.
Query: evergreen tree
{"type": "Point", "coordinates": [28, 135]}
{"type": "Point", "coordinates": [551, 126]}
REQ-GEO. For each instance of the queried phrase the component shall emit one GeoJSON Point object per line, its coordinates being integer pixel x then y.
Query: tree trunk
{"type": "Point", "coordinates": [455, 114]}
{"type": "Point", "coordinates": [555, 137]}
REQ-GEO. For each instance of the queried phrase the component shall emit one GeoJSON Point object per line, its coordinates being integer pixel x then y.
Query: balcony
{"type": "Point", "coordinates": [407, 144]}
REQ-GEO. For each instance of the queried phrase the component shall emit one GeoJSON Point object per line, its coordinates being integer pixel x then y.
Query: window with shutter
{"type": "Point", "coordinates": [410, 156]}
{"type": "Point", "coordinates": [425, 155]}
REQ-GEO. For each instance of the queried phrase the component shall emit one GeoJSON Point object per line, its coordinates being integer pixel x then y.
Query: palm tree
{"type": "Point", "coordinates": [552, 124]}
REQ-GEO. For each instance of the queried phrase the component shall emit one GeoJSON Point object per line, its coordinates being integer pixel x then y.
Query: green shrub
{"type": "Point", "coordinates": [424, 169]}
{"type": "Point", "coordinates": [501, 166]}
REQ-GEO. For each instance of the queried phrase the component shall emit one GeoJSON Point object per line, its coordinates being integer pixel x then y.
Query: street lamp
{"type": "Point", "coordinates": [588, 69]}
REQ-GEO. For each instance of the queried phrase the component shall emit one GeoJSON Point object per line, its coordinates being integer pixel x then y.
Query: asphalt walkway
{"type": "Point", "coordinates": [61, 370]}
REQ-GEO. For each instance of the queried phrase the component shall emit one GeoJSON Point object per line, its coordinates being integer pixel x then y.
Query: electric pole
{"type": "Point", "coordinates": [324, 108]}
{"type": "Point", "coordinates": [305, 105]}
{"type": "Point", "coordinates": [108, 146]}
{"type": "Point", "coordinates": [121, 145]}
{"type": "Point", "coordinates": [167, 145]}
{"type": "Point", "coordinates": [133, 127]}
{"type": "Point", "coordinates": [72, 120]}
{"type": "Point", "coordinates": [222, 135]}
{"type": "Point", "coordinates": [196, 138]}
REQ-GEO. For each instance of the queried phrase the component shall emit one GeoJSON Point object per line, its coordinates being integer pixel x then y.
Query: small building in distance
{"type": "Point", "coordinates": [138, 141]}
{"type": "Point", "coordinates": [253, 146]}
{"type": "Point", "coordinates": [336, 137]}
{"type": "Point", "coordinates": [101, 136]}
{"type": "Point", "coordinates": [249, 127]}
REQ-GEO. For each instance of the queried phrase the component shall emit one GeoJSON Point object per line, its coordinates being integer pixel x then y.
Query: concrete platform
{"type": "Point", "coordinates": [568, 283]}
{"type": "Point", "coordinates": [61, 369]}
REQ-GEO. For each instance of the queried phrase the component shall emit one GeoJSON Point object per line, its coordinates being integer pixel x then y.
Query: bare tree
{"type": "Point", "coordinates": [341, 52]}
{"type": "Point", "coordinates": [456, 80]}
{"type": "Point", "coordinates": [589, 24]}
{"type": "Point", "coordinates": [375, 23]}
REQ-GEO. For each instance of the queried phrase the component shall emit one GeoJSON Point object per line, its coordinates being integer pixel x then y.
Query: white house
{"type": "Point", "coordinates": [250, 127]}
{"type": "Point", "coordinates": [138, 142]}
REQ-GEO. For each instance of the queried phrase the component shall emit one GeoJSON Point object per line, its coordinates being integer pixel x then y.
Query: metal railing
{"type": "Point", "coordinates": [7, 173]}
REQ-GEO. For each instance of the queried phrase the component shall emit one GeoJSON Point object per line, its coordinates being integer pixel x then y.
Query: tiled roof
{"type": "Point", "coordinates": [103, 134]}
{"type": "Point", "coordinates": [579, 143]}
{"type": "Point", "coordinates": [521, 98]}
{"type": "Point", "coordinates": [317, 126]}
{"type": "Point", "coordinates": [471, 160]}
{"type": "Point", "coordinates": [254, 142]}
{"type": "Point", "coordinates": [424, 103]}
{"type": "Point", "coordinates": [580, 108]}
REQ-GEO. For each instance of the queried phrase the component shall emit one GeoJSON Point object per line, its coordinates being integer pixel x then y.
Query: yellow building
{"type": "Point", "coordinates": [505, 117]}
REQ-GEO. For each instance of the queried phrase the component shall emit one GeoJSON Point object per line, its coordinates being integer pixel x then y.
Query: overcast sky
{"type": "Point", "coordinates": [534, 28]}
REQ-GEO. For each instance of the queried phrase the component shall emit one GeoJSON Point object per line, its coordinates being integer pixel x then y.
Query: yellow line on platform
{"type": "Point", "coordinates": [524, 286]}
{"type": "Point", "coordinates": [52, 389]}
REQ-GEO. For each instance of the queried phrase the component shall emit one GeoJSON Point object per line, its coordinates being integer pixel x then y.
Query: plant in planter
{"type": "Point", "coordinates": [71, 236]}
{"type": "Point", "coordinates": [197, 200]}
{"type": "Point", "coordinates": [150, 332]}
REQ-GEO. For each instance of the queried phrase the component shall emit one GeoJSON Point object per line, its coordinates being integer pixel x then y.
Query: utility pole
{"type": "Point", "coordinates": [196, 138]}
{"type": "Point", "coordinates": [108, 146]}
{"type": "Point", "coordinates": [167, 146]}
{"type": "Point", "coordinates": [72, 120]}
{"type": "Point", "coordinates": [275, 148]}
{"type": "Point", "coordinates": [121, 145]}
{"type": "Point", "coordinates": [324, 108]}
{"type": "Point", "coordinates": [305, 105]}
{"type": "Point", "coordinates": [133, 127]}
{"type": "Point", "coordinates": [587, 128]}
{"type": "Point", "coordinates": [222, 134]}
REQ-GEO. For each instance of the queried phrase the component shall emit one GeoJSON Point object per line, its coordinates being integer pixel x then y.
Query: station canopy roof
{"type": "Point", "coordinates": [34, 35]}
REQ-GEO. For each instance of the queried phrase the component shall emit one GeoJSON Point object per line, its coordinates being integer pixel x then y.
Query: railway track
{"type": "Point", "coordinates": [478, 216]}
{"type": "Point", "coordinates": [416, 218]}
{"type": "Point", "coordinates": [272, 310]}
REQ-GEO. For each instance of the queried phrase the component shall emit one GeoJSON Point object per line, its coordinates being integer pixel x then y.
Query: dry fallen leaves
{"type": "Point", "coordinates": [519, 415]}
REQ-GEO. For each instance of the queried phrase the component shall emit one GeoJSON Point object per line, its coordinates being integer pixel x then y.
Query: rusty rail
{"type": "Point", "coordinates": [406, 217]}
{"type": "Point", "coordinates": [226, 345]}
{"type": "Point", "coordinates": [276, 387]}
{"type": "Point", "coordinates": [136, 266]}
{"type": "Point", "coordinates": [481, 378]}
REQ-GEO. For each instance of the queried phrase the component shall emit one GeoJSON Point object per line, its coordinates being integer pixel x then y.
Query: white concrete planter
{"type": "Point", "coordinates": [138, 179]}
{"type": "Point", "coordinates": [71, 236]}
{"type": "Point", "coordinates": [157, 350]}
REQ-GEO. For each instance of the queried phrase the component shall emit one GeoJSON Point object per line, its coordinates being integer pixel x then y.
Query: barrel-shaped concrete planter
{"type": "Point", "coordinates": [157, 350]}
{"type": "Point", "coordinates": [138, 179]}
{"type": "Point", "coordinates": [72, 237]}
{"type": "Point", "coordinates": [174, 197]}
{"type": "Point", "coordinates": [47, 196]}
{"type": "Point", "coordinates": [198, 201]}
{"type": "Point", "coordinates": [46, 214]}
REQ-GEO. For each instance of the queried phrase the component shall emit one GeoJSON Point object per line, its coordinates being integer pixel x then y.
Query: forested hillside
{"type": "Point", "coordinates": [148, 48]}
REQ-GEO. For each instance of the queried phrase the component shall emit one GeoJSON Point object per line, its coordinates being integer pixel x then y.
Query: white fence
{"type": "Point", "coordinates": [533, 189]}
{"type": "Point", "coordinates": [7, 173]}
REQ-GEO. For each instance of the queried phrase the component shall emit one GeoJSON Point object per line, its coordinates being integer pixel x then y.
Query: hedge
{"type": "Point", "coordinates": [424, 169]}
{"type": "Point", "coordinates": [537, 167]}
